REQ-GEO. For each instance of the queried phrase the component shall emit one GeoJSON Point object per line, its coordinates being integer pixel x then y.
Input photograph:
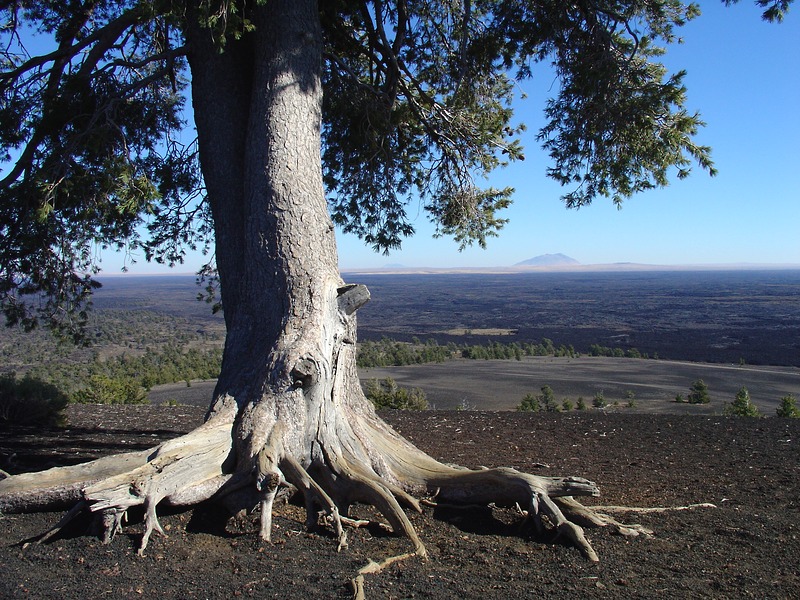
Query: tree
{"type": "Point", "coordinates": [698, 393]}
{"type": "Point", "coordinates": [416, 104]}
{"type": "Point", "coordinates": [548, 399]}
{"type": "Point", "coordinates": [742, 405]}
{"type": "Point", "coordinates": [529, 403]}
{"type": "Point", "coordinates": [599, 400]}
{"type": "Point", "coordinates": [788, 408]}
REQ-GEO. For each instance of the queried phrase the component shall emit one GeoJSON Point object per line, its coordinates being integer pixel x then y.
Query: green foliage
{"type": "Point", "coordinates": [30, 401]}
{"type": "Point", "coordinates": [598, 350]}
{"type": "Point", "coordinates": [530, 403]}
{"type": "Point", "coordinates": [389, 352]}
{"type": "Point", "coordinates": [742, 405]}
{"type": "Point", "coordinates": [599, 400]}
{"type": "Point", "coordinates": [418, 107]}
{"type": "Point", "coordinates": [581, 405]}
{"type": "Point", "coordinates": [544, 401]}
{"type": "Point", "coordinates": [387, 394]}
{"type": "Point", "coordinates": [567, 405]}
{"type": "Point", "coordinates": [91, 135]}
{"type": "Point", "coordinates": [788, 408]}
{"type": "Point", "coordinates": [548, 399]}
{"type": "Point", "coordinates": [101, 389]}
{"type": "Point", "coordinates": [698, 393]}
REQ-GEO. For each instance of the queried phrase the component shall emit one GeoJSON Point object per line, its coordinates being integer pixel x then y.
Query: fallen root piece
{"type": "Point", "coordinates": [356, 523]}
{"type": "Point", "coordinates": [371, 568]}
{"type": "Point", "coordinates": [645, 510]}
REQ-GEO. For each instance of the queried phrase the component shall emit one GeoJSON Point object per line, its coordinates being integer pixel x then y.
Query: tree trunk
{"type": "Point", "coordinates": [288, 407]}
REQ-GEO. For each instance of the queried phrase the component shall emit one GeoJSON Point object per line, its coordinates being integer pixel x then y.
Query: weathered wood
{"type": "Point", "coordinates": [352, 297]}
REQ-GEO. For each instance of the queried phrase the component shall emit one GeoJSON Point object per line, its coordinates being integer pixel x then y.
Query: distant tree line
{"type": "Point", "coordinates": [598, 350]}
{"type": "Point", "coordinates": [391, 353]}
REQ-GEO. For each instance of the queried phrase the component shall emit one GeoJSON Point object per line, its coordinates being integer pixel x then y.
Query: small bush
{"type": "Point", "coordinates": [548, 399]}
{"type": "Point", "coordinates": [788, 408]}
{"type": "Point", "coordinates": [742, 406]}
{"type": "Point", "coordinates": [30, 401]}
{"type": "Point", "coordinates": [544, 401]}
{"type": "Point", "coordinates": [530, 403]}
{"type": "Point", "coordinates": [387, 394]}
{"type": "Point", "coordinates": [581, 405]}
{"type": "Point", "coordinates": [698, 393]}
{"type": "Point", "coordinates": [567, 405]}
{"type": "Point", "coordinates": [599, 400]}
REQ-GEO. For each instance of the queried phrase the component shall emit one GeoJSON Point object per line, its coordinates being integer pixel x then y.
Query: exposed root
{"type": "Point", "coordinates": [645, 510]}
{"type": "Point", "coordinates": [378, 495]}
{"type": "Point", "coordinates": [371, 568]}
{"type": "Point", "coordinates": [150, 524]}
{"type": "Point", "coordinates": [591, 517]}
{"type": "Point", "coordinates": [314, 496]}
{"type": "Point", "coordinates": [111, 523]}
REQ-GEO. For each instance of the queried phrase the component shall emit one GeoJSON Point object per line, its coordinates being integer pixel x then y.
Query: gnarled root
{"type": "Point", "coordinates": [384, 472]}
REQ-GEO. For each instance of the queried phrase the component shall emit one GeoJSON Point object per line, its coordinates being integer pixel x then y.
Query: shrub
{"type": "Point", "coordinates": [742, 406]}
{"type": "Point", "coordinates": [698, 393]}
{"type": "Point", "coordinates": [581, 405]}
{"type": "Point", "coordinates": [788, 408]}
{"type": "Point", "coordinates": [548, 399]}
{"type": "Point", "coordinates": [387, 394]}
{"type": "Point", "coordinates": [599, 400]}
{"type": "Point", "coordinates": [530, 403]}
{"type": "Point", "coordinates": [30, 401]}
{"type": "Point", "coordinates": [544, 401]}
{"type": "Point", "coordinates": [102, 389]}
{"type": "Point", "coordinates": [567, 405]}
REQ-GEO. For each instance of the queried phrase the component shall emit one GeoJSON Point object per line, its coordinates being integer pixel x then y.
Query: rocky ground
{"type": "Point", "coordinates": [747, 546]}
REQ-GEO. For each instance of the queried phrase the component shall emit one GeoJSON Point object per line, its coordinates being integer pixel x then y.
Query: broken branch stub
{"type": "Point", "coordinates": [351, 297]}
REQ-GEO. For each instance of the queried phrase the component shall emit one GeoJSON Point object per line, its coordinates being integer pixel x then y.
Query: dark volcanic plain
{"type": "Point", "coordinates": [704, 316]}
{"type": "Point", "coordinates": [747, 546]}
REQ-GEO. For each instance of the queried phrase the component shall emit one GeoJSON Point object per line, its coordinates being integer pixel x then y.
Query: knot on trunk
{"type": "Point", "coordinates": [304, 373]}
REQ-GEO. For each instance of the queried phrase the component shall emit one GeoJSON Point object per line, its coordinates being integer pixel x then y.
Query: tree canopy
{"type": "Point", "coordinates": [96, 151]}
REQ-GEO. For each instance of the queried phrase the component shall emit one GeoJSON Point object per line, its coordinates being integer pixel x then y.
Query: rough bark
{"type": "Point", "coordinates": [288, 408]}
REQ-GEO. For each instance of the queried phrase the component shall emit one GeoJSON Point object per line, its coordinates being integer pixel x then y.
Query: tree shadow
{"type": "Point", "coordinates": [493, 521]}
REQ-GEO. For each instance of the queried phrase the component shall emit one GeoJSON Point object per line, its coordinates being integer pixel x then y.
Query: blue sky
{"type": "Point", "coordinates": [744, 78]}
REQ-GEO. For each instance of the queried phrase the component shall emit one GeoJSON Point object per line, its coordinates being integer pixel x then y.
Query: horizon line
{"type": "Point", "coordinates": [498, 269]}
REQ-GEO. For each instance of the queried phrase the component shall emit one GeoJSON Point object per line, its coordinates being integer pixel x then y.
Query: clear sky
{"type": "Point", "coordinates": [744, 79]}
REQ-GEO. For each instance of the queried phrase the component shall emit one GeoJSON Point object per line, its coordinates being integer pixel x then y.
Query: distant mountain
{"type": "Point", "coordinates": [548, 260]}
